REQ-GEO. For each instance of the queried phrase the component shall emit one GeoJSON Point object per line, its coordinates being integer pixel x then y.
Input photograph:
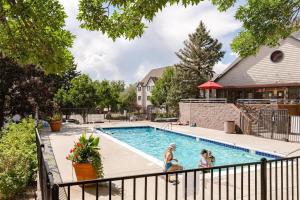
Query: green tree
{"type": "Point", "coordinates": [23, 88]}
{"type": "Point", "coordinates": [128, 98]}
{"type": "Point", "coordinates": [82, 95]}
{"type": "Point", "coordinates": [264, 21]}
{"type": "Point", "coordinates": [108, 93]}
{"type": "Point", "coordinates": [200, 53]}
{"type": "Point", "coordinates": [32, 32]}
{"type": "Point", "coordinates": [162, 87]}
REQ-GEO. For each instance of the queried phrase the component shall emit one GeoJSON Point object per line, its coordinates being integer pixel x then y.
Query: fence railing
{"type": "Point", "coordinates": [295, 124]}
{"type": "Point", "coordinates": [268, 101]}
{"type": "Point", "coordinates": [245, 124]}
{"type": "Point", "coordinates": [46, 181]}
{"type": "Point", "coordinates": [272, 124]}
{"type": "Point", "coordinates": [273, 179]}
{"type": "Point", "coordinates": [210, 100]}
{"type": "Point", "coordinates": [266, 179]}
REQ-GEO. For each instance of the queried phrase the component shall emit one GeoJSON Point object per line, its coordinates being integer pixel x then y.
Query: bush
{"type": "Point", "coordinates": [18, 164]}
{"type": "Point", "coordinates": [116, 117]}
{"type": "Point", "coordinates": [165, 115]}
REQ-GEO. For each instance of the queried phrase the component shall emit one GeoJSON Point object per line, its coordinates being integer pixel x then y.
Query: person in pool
{"type": "Point", "coordinates": [211, 157]}
{"type": "Point", "coordinates": [205, 161]}
{"type": "Point", "coordinates": [168, 158]}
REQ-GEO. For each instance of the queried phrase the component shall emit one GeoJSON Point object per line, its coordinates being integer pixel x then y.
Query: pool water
{"type": "Point", "coordinates": [155, 142]}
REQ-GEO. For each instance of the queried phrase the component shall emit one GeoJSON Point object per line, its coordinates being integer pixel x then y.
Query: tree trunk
{"type": "Point", "coordinates": [2, 103]}
{"type": "Point", "coordinates": [84, 115]}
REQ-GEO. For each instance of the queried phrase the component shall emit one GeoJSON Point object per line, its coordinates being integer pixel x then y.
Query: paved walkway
{"type": "Point", "coordinates": [121, 161]}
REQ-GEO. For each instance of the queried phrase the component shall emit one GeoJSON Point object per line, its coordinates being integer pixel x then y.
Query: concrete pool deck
{"type": "Point", "coordinates": [121, 161]}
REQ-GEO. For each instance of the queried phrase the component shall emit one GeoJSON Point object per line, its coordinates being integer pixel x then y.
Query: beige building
{"type": "Point", "coordinates": [145, 86]}
{"type": "Point", "coordinates": [274, 73]}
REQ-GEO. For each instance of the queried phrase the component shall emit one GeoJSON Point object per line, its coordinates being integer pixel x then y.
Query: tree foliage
{"type": "Point", "coordinates": [162, 87]}
{"type": "Point", "coordinates": [128, 98]}
{"type": "Point", "coordinates": [265, 22]}
{"type": "Point", "coordinates": [80, 94]}
{"type": "Point", "coordinates": [200, 53]}
{"type": "Point", "coordinates": [32, 32]}
{"type": "Point", "coordinates": [84, 94]}
{"type": "Point", "coordinates": [23, 88]}
{"type": "Point", "coordinates": [109, 93]}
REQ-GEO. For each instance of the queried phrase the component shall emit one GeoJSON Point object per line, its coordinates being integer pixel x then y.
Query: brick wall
{"type": "Point", "coordinates": [209, 115]}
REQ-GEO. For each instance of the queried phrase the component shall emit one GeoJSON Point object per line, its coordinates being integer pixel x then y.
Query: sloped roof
{"type": "Point", "coordinates": [153, 74]}
{"type": "Point", "coordinates": [295, 36]}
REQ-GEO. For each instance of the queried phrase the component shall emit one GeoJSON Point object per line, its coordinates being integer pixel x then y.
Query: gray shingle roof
{"type": "Point", "coordinates": [154, 73]}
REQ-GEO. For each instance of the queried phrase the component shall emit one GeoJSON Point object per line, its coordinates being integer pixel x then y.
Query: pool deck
{"type": "Point", "coordinates": [121, 161]}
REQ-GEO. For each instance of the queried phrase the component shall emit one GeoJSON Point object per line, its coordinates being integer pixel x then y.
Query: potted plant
{"type": "Point", "coordinates": [86, 158]}
{"type": "Point", "coordinates": [55, 122]}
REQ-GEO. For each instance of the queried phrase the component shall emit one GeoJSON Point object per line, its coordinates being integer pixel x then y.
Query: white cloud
{"type": "Point", "coordinates": [102, 58]}
{"type": "Point", "coordinates": [219, 67]}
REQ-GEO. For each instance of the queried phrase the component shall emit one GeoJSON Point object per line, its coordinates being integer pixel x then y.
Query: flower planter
{"type": "Point", "coordinates": [55, 125]}
{"type": "Point", "coordinates": [84, 171]}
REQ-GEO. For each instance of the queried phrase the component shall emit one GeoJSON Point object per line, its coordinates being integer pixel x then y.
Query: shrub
{"type": "Point", "coordinates": [18, 164]}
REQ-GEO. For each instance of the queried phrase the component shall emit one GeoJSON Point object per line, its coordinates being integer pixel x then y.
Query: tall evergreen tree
{"type": "Point", "coordinates": [200, 53]}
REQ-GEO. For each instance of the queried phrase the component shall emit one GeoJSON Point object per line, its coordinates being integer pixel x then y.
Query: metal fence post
{"type": "Point", "coordinates": [263, 178]}
{"type": "Point", "coordinates": [55, 192]}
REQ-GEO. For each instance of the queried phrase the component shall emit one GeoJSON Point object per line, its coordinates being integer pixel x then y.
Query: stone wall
{"type": "Point", "coordinates": [209, 115]}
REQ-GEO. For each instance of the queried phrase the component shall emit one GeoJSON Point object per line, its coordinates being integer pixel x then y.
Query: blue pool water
{"type": "Point", "coordinates": [154, 142]}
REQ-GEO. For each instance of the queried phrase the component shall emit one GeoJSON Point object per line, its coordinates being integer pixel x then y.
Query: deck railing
{"type": "Point", "coordinates": [266, 179]}
{"type": "Point", "coordinates": [210, 100]}
{"type": "Point", "coordinates": [268, 101]}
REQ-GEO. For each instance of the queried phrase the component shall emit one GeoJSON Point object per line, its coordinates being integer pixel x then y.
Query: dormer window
{"type": "Point", "coordinates": [139, 88]}
{"type": "Point", "coordinates": [148, 88]}
{"type": "Point", "coordinates": [276, 56]}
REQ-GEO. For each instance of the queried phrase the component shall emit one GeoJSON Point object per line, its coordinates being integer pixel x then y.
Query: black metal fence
{"type": "Point", "coordinates": [272, 179]}
{"type": "Point", "coordinates": [277, 179]}
{"type": "Point", "coordinates": [272, 124]}
{"type": "Point", "coordinates": [46, 181]}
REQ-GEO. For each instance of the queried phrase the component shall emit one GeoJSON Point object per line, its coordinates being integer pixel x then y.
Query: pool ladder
{"type": "Point", "coordinates": [166, 126]}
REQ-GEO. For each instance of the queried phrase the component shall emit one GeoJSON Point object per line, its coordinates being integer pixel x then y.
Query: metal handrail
{"type": "Point", "coordinates": [210, 100]}
{"type": "Point", "coordinates": [267, 101]}
{"type": "Point", "coordinates": [166, 125]}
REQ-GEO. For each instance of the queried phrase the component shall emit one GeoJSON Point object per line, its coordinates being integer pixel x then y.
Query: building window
{"type": "Point", "coordinates": [276, 56]}
{"type": "Point", "coordinates": [148, 88]}
{"type": "Point", "coordinates": [139, 88]}
{"type": "Point", "coordinates": [139, 98]}
{"type": "Point", "coordinates": [148, 98]}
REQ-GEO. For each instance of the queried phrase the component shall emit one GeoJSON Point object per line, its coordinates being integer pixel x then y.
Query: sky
{"type": "Point", "coordinates": [101, 58]}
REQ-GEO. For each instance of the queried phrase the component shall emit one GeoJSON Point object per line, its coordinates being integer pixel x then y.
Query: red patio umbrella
{"type": "Point", "coordinates": [210, 85]}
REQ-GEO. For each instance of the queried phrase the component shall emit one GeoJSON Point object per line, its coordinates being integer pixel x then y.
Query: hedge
{"type": "Point", "coordinates": [18, 161]}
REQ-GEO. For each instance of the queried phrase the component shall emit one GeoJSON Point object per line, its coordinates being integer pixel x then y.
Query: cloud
{"type": "Point", "coordinates": [102, 58]}
{"type": "Point", "coordinates": [219, 67]}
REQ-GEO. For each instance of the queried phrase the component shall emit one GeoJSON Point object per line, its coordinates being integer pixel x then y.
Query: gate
{"type": "Point", "coordinates": [273, 124]}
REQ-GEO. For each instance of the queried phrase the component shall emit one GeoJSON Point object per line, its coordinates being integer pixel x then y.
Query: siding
{"type": "Point", "coordinates": [260, 69]}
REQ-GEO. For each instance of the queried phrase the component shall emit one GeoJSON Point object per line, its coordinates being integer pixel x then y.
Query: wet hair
{"type": "Point", "coordinates": [203, 151]}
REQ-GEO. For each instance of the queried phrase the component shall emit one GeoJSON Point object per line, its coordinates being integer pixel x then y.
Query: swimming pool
{"type": "Point", "coordinates": [154, 142]}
